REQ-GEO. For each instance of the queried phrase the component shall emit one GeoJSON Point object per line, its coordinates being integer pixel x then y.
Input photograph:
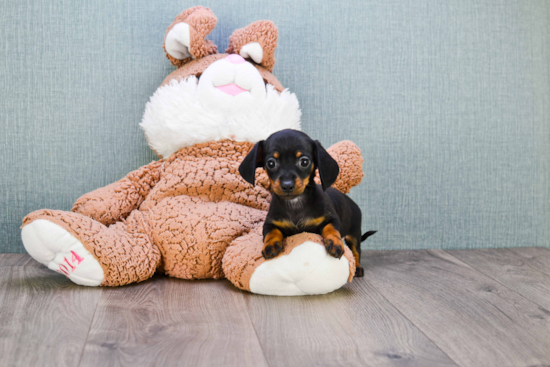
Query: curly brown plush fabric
{"type": "Point", "coordinates": [179, 215]}
{"type": "Point", "coordinates": [123, 196]}
{"type": "Point", "coordinates": [347, 154]}
{"type": "Point", "coordinates": [264, 32]}
{"type": "Point", "coordinates": [198, 234]}
{"type": "Point", "coordinates": [201, 22]}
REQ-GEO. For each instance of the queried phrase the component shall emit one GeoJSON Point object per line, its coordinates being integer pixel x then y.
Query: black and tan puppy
{"type": "Point", "coordinates": [290, 159]}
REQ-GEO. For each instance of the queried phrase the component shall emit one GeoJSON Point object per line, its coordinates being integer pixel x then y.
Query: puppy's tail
{"type": "Point", "coordinates": [367, 235]}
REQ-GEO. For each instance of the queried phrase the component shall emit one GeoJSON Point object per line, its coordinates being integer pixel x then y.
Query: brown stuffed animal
{"type": "Point", "coordinates": [190, 215]}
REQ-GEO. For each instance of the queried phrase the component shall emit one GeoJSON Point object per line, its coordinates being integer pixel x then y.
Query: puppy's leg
{"type": "Point", "coordinates": [333, 241]}
{"type": "Point", "coordinates": [273, 243]}
{"type": "Point", "coordinates": [352, 244]}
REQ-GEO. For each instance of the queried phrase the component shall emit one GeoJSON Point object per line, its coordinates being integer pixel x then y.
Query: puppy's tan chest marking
{"type": "Point", "coordinates": [302, 223]}
{"type": "Point", "coordinates": [286, 224]}
{"type": "Point", "coordinates": [314, 222]}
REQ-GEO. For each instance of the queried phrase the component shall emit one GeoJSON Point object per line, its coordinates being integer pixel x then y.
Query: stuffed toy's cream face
{"type": "Point", "coordinates": [218, 96]}
{"type": "Point", "coordinates": [231, 86]}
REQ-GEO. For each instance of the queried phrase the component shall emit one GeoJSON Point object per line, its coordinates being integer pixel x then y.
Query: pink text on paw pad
{"type": "Point", "coordinates": [67, 266]}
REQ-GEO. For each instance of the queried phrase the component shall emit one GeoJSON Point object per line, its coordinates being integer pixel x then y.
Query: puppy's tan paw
{"type": "Point", "coordinates": [273, 244]}
{"type": "Point", "coordinates": [334, 246]}
{"type": "Point", "coordinates": [333, 241]}
{"type": "Point", "coordinates": [271, 250]}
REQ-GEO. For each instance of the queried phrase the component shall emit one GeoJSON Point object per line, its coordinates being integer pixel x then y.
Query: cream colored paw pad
{"type": "Point", "coordinates": [307, 270]}
{"type": "Point", "coordinates": [51, 245]}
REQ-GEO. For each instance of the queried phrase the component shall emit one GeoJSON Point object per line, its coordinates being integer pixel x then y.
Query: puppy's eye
{"type": "Point", "coordinates": [271, 163]}
{"type": "Point", "coordinates": [304, 162]}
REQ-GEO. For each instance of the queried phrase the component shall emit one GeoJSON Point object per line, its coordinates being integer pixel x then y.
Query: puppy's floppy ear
{"type": "Point", "coordinates": [327, 166]}
{"type": "Point", "coordinates": [253, 160]}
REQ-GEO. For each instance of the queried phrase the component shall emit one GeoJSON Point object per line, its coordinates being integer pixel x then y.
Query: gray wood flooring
{"type": "Point", "coordinates": [487, 307]}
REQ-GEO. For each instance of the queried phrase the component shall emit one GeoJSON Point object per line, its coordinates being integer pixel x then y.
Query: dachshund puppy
{"type": "Point", "coordinates": [290, 159]}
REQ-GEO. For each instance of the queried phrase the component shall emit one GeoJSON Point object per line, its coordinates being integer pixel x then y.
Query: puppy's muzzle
{"type": "Point", "coordinates": [287, 186]}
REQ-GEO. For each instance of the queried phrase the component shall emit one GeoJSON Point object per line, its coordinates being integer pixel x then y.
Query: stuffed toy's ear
{"type": "Point", "coordinates": [184, 40]}
{"type": "Point", "coordinates": [253, 160]}
{"type": "Point", "coordinates": [327, 166]}
{"type": "Point", "coordinates": [256, 41]}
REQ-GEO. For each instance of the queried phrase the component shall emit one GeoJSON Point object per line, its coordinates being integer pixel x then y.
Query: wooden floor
{"type": "Point", "coordinates": [412, 308]}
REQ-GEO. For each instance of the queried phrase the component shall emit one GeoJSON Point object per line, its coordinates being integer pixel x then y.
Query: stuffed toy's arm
{"type": "Point", "coordinates": [115, 201]}
{"type": "Point", "coordinates": [302, 268]}
{"type": "Point", "coordinates": [350, 161]}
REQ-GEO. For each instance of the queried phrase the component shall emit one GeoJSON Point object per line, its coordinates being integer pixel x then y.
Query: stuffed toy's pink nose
{"type": "Point", "coordinates": [235, 59]}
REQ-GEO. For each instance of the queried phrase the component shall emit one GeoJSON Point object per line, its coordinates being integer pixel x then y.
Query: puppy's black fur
{"type": "Point", "coordinates": [290, 159]}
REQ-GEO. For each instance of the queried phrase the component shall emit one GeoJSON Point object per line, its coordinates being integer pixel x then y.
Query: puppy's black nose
{"type": "Point", "coordinates": [287, 186]}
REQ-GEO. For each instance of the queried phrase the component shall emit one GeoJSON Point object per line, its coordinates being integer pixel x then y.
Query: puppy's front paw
{"type": "Point", "coordinates": [272, 249]}
{"type": "Point", "coordinates": [359, 272]}
{"type": "Point", "coordinates": [334, 246]}
{"type": "Point", "coordinates": [273, 244]}
{"type": "Point", "coordinates": [333, 241]}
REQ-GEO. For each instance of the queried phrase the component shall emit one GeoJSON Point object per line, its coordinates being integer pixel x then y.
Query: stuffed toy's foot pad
{"type": "Point", "coordinates": [307, 269]}
{"type": "Point", "coordinates": [51, 245]}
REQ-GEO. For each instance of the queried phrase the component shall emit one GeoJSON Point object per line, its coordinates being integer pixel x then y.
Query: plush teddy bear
{"type": "Point", "coordinates": [190, 215]}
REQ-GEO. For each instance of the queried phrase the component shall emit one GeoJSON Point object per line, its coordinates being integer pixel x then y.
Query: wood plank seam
{"type": "Point", "coordinates": [397, 264]}
{"type": "Point", "coordinates": [412, 323]}
{"type": "Point", "coordinates": [527, 259]}
{"type": "Point", "coordinates": [43, 316]}
{"type": "Point", "coordinates": [498, 281]}
{"type": "Point", "coordinates": [254, 328]}
{"type": "Point", "coordinates": [7, 260]}
{"type": "Point", "coordinates": [89, 328]}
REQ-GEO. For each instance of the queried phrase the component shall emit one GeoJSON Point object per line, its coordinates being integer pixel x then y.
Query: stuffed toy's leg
{"type": "Point", "coordinates": [303, 268]}
{"type": "Point", "coordinates": [193, 234]}
{"type": "Point", "coordinates": [88, 252]}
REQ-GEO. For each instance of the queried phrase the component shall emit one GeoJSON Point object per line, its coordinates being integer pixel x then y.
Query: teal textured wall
{"type": "Point", "coordinates": [448, 100]}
